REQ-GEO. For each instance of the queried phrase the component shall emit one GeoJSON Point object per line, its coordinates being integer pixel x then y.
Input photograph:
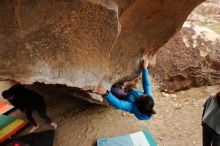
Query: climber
{"type": "Point", "coordinates": [28, 101]}
{"type": "Point", "coordinates": [139, 103]}
{"type": "Point", "coordinates": [211, 121]}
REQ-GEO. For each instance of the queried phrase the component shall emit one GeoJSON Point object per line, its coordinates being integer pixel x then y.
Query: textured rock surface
{"type": "Point", "coordinates": [82, 42]}
{"type": "Point", "coordinates": [188, 60]}
{"type": "Point", "coordinates": [56, 42]}
{"type": "Point", "coordinates": [191, 58]}
{"type": "Point", "coordinates": [207, 12]}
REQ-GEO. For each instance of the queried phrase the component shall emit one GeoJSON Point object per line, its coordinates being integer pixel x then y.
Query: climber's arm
{"type": "Point", "coordinates": [119, 104]}
{"type": "Point", "coordinates": [146, 79]}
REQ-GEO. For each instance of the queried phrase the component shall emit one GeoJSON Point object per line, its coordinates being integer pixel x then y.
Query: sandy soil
{"type": "Point", "coordinates": [177, 122]}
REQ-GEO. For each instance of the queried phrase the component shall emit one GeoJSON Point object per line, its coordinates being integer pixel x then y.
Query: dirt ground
{"type": "Point", "coordinates": [177, 122]}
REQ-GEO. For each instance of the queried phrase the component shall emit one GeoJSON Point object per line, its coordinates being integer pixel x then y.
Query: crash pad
{"type": "Point", "coordinates": [5, 107]}
{"type": "Point", "coordinates": [141, 138]}
{"type": "Point", "coordinates": [9, 126]}
{"type": "Point", "coordinates": [43, 138]}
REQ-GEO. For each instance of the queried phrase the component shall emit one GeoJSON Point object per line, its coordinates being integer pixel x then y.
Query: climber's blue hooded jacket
{"type": "Point", "coordinates": [129, 105]}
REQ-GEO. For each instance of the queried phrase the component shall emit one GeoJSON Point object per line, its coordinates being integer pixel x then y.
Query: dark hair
{"type": "Point", "coordinates": [6, 94]}
{"type": "Point", "coordinates": [217, 97]}
{"type": "Point", "coordinates": [145, 105]}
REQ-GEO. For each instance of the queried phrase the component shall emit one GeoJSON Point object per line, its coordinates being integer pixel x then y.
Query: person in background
{"type": "Point", "coordinates": [136, 102]}
{"type": "Point", "coordinates": [211, 121]}
{"type": "Point", "coordinates": [28, 101]}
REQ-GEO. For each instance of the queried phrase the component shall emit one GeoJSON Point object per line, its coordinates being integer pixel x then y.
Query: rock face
{"type": "Point", "coordinates": [189, 60]}
{"type": "Point", "coordinates": [192, 57]}
{"type": "Point", "coordinates": [65, 42]}
{"type": "Point", "coordinates": [82, 42]}
{"type": "Point", "coordinates": [206, 13]}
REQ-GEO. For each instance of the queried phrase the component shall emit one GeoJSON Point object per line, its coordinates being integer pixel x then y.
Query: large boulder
{"type": "Point", "coordinates": [79, 43]}
{"type": "Point", "coordinates": [206, 13]}
{"type": "Point", "coordinates": [190, 59]}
